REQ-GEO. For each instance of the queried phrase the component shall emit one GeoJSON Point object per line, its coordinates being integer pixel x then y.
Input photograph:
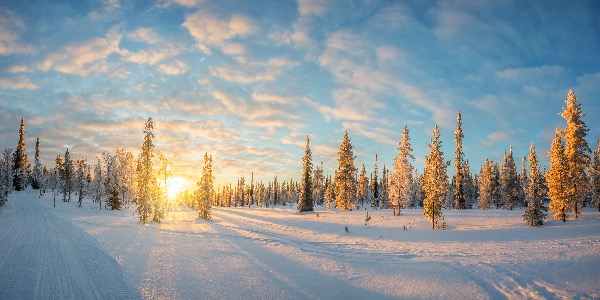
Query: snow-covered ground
{"type": "Point", "coordinates": [275, 253]}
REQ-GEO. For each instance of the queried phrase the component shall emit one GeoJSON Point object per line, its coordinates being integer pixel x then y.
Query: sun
{"type": "Point", "coordinates": [175, 185]}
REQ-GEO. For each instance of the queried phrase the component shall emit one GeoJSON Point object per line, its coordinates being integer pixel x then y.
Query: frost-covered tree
{"type": "Point", "coordinates": [126, 175]}
{"type": "Point", "coordinates": [81, 178]}
{"type": "Point", "coordinates": [576, 150]}
{"type": "Point", "coordinates": [329, 192]}
{"type": "Point", "coordinates": [6, 179]}
{"type": "Point", "coordinates": [362, 192]}
{"type": "Point", "coordinates": [486, 185]}
{"type": "Point", "coordinates": [401, 180]}
{"type": "Point", "coordinates": [163, 176]}
{"type": "Point", "coordinates": [459, 182]}
{"type": "Point", "coordinates": [523, 182]}
{"type": "Point", "coordinates": [112, 182]}
{"type": "Point", "coordinates": [97, 189]}
{"type": "Point", "coordinates": [384, 198]}
{"type": "Point", "coordinates": [20, 161]}
{"type": "Point", "coordinates": [319, 185]}
{"type": "Point", "coordinates": [595, 177]}
{"type": "Point", "coordinates": [205, 190]}
{"type": "Point", "coordinates": [147, 189]}
{"type": "Point", "coordinates": [345, 176]}
{"type": "Point", "coordinates": [306, 202]}
{"type": "Point", "coordinates": [38, 168]}
{"type": "Point", "coordinates": [560, 189]}
{"type": "Point", "coordinates": [534, 215]}
{"type": "Point", "coordinates": [435, 179]}
{"type": "Point", "coordinates": [67, 177]}
{"type": "Point", "coordinates": [375, 187]}
{"type": "Point", "coordinates": [509, 181]}
{"type": "Point", "coordinates": [470, 188]}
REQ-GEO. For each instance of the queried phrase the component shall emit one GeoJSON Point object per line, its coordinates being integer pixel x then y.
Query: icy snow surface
{"type": "Point", "coordinates": [276, 253]}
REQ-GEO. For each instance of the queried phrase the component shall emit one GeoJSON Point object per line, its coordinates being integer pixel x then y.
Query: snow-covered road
{"type": "Point", "coordinates": [45, 257]}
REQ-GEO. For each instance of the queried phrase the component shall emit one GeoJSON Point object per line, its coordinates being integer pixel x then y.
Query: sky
{"type": "Point", "coordinates": [247, 81]}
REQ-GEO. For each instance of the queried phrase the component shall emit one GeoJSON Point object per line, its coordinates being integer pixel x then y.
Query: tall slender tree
{"type": "Point", "coordinates": [205, 190]}
{"type": "Point", "coordinates": [435, 179]}
{"type": "Point", "coordinates": [534, 215]}
{"type": "Point", "coordinates": [345, 177]}
{"type": "Point", "coordinates": [559, 189]}
{"type": "Point", "coordinates": [20, 161]}
{"type": "Point", "coordinates": [6, 179]}
{"type": "Point", "coordinates": [362, 193]}
{"type": "Point", "coordinates": [576, 150]}
{"type": "Point", "coordinates": [306, 191]}
{"type": "Point", "coordinates": [147, 191]}
{"type": "Point", "coordinates": [509, 180]}
{"type": "Point", "coordinates": [36, 175]}
{"type": "Point", "coordinates": [459, 188]}
{"type": "Point", "coordinates": [595, 177]}
{"type": "Point", "coordinates": [486, 185]}
{"type": "Point", "coordinates": [67, 176]}
{"type": "Point", "coordinates": [375, 187]}
{"type": "Point", "coordinates": [400, 189]}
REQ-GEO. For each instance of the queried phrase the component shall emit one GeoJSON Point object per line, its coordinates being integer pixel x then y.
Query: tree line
{"type": "Point", "coordinates": [571, 182]}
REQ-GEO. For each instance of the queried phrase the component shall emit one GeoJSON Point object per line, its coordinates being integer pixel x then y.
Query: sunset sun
{"type": "Point", "coordinates": [175, 185]}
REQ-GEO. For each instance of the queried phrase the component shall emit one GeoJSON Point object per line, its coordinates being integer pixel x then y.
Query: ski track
{"type": "Point", "coordinates": [44, 257]}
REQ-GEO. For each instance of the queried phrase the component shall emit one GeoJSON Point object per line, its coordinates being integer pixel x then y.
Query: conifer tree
{"type": "Point", "coordinates": [205, 190]}
{"type": "Point", "coordinates": [36, 176]}
{"type": "Point", "coordinates": [509, 182]}
{"type": "Point", "coordinates": [66, 177]}
{"type": "Point", "coordinates": [576, 150]}
{"type": "Point", "coordinates": [97, 188]}
{"type": "Point", "coordinates": [595, 177]}
{"type": "Point", "coordinates": [345, 177]}
{"type": "Point", "coordinates": [306, 189]}
{"type": "Point", "coordinates": [80, 179]}
{"type": "Point", "coordinates": [486, 185]}
{"type": "Point", "coordinates": [362, 193]}
{"type": "Point", "coordinates": [435, 179]}
{"type": "Point", "coordinates": [470, 190]}
{"type": "Point", "coordinates": [459, 189]}
{"type": "Point", "coordinates": [400, 189]}
{"type": "Point", "coordinates": [375, 187]}
{"type": "Point", "coordinates": [20, 162]}
{"type": "Point", "coordinates": [146, 185]}
{"type": "Point", "coordinates": [559, 188]}
{"type": "Point", "coordinates": [384, 198]}
{"type": "Point", "coordinates": [6, 179]}
{"type": "Point", "coordinates": [523, 181]}
{"type": "Point", "coordinates": [329, 192]}
{"type": "Point", "coordinates": [319, 185]}
{"type": "Point", "coordinates": [534, 215]}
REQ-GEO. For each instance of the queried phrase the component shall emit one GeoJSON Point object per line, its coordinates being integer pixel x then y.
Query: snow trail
{"type": "Point", "coordinates": [45, 257]}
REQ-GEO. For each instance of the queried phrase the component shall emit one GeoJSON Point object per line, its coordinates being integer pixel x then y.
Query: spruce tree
{"type": "Point", "coordinates": [345, 176]}
{"type": "Point", "coordinates": [384, 198]}
{"type": "Point", "coordinates": [534, 215]}
{"type": "Point", "coordinates": [6, 179]}
{"type": "Point", "coordinates": [375, 187]}
{"type": "Point", "coordinates": [435, 179]}
{"type": "Point", "coordinates": [400, 189]}
{"type": "Point", "coordinates": [20, 161]}
{"type": "Point", "coordinates": [329, 192]}
{"type": "Point", "coordinates": [509, 180]}
{"type": "Point", "coordinates": [595, 177]}
{"type": "Point", "coordinates": [576, 150]}
{"type": "Point", "coordinates": [36, 176]}
{"type": "Point", "coordinates": [486, 185]}
{"type": "Point", "coordinates": [67, 177]}
{"type": "Point", "coordinates": [459, 189]}
{"type": "Point", "coordinates": [306, 191]}
{"type": "Point", "coordinates": [146, 183]}
{"type": "Point", "coordinates": [205, 190]}
{"type": "Point", "coordinates": [523, 182]}
{"type": "Point", "coordinates": [80, 179]}
{"type": "Point", "coordinates": [319, 185]}
{"type": "Point", "coordinates": [362, 193]}
{"type": "Point", "coordinates": [559, 188]}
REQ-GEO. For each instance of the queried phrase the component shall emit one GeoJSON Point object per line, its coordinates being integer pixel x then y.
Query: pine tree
{"type": "Point", "coordinates": [6, 179]}
{"type": "Point", "coordinates": [384, 198]}
{"type": "Point", "coordinates": [486, 185]}
{"type": "Point", "coordinates": [80, 179]}
{"type": "Point", "coordinates": [319, 185]}
{"type": "Point", "coordinates": [559, 187]}
{"type": "Point", "coordinates": [470, 189]}
{"type": "Point", "coordinates": [97, 189]}
{"type": "Point", "coordinates": [375, 187]}
{"type": "Point", "coordinates": [67, 177]}
{"type": "Point", "coordinates": [523, 182]}
{"type": "Point", "coordinates": [345, 177]}
{"type": "Point", "coordinates": [509, 181]}
{"type": "Point", "coordinates": [362, 193]}
{"type": "Point", "coordinates": [595, 177]}
{"type": "Point", "coordinates": [20, 162]}
{"type": "Point", "coordinates": [576, 151]}
{"type": "Point", "coordinates": [329, 192]}
{"type": "Point", "coordinates": [306, 202]}
{"type": "Point", "coordinates": [435, 179]}
{"type": "Point", "coordinates": [205, 190]}
{"type": "Point", "coordinates": [400, 189]}
{"type": "Point", "coordinates": [459, 189]}
{"type": "Point", "coordinates": [36, 176]}
{"type": "Point", "coordinates": [146, 184]}
{"type": "Point", "coordinates": [534, 215]}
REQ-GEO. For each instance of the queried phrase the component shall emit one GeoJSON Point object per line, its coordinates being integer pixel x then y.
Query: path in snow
{"type": "Point", "coordinates": [45, 257]}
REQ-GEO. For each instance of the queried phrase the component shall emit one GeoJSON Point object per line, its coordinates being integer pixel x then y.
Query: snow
{"type": "Point", "coordinates": [276, 253]}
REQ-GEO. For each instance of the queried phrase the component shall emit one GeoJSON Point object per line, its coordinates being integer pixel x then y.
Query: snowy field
{"type": "Point", "coordinates": [275, 253]}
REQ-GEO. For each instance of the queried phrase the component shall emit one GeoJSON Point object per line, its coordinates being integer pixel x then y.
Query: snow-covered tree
{"type": "Point", "coordinates": [384, 198]}
{"type": "Point", "coordinates": [576, 150]}
{"type": "Point", "coordinates": [560, 189]}
{"type": "Point", "coordinates": [126, 175]}
{"type": "Point", "coordinates": [36, 175]}
{"type": "Point", "coordinates": [534, 215]}
{"type": "Point", "coordinates": [375, 187]}
{"type": "Point", "coordinates": [20, 161]}
{"type": "Point", "coordinates": [470, 188]}
{"type": "Point", "coordinates": [97, 189]}
{"type": "Point", "coordinates": [164, 174]}
{"type": "Point", "coordinates": [345, 177]}
{"type": "Point", "coordinates": [401, 181]}
{"type": "Point", "coordinates": [6, 179]}
{"type": "Point", "coordinates": [459, 182]}
{"type": "Point", "coordinates": [67, 177]}
{"type": "Point", "coordinates": [81, 178]}
{"type": "Point", "coordinates": [329, 192]}
{"type": "Point", "coordinates": [306, 190]}
{"type": "Point", "coordinates": [147, 191]}
{"type": "Point", "coordinates": [435, 179]}
{"type": "Point", "coordinates": [319, 185]}
{"type": "Point", "coordinates": [205, 190]}
{"type": "Point", "coordinates": [523, 182]}
{"type": "Point", "coordinates": [486, 185]}
{"type": "Point", "coordinates": [595, 177]}
{"type": "Point", "coordinates": [362, 192]}
{"type": "Point", "coordinates": [509, 181]}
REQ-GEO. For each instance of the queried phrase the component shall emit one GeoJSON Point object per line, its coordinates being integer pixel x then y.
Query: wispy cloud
{"type": "Point", "coordinates": [246, 72]}
{"type": "Point", "coordinates": [19, 83]}
{"type": "Point", "coordinates": [176, 68]}
{"type": "Point", "coordinates": [10, 27]}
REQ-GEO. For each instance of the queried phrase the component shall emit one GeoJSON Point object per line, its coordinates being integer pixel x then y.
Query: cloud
{"type": "Point", "coordinates": [18, 69]}
{"type": "Point", "coordinates": [10, 26]}
{"type": "Point", "coordinates": [210, 31]}
{"type": "Point", "coordinates": [246, 72]}
{"type": "Point", "coordinates": [19, 83]}
{"type": "Point", "coordinates": [184, 3]}
{"type": "Point", "coordinates": [261, 97]}
{"type": "Point", "coordinates": [146, 35]}
{"type": "Point", "coordinates": [85, 58]}
{"type": "Point", "coordinates": [532, 74]}
{"type": "Point", "coordinates": [158, 50]}
{"type": "Point", "coordinates": [178, 67]}
{"type": "Point", "coordinates": [311, 7]}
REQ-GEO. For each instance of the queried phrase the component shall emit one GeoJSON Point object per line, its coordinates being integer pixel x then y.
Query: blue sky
{"type": "Point", "coordinates": [246, 81]}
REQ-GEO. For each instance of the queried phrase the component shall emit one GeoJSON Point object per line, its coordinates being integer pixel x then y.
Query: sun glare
{"type": "Point", "coordinates": [175, 185]}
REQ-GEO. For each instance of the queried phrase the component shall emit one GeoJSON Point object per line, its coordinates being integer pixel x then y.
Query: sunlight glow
{"type": "Point", "coordinates": [175, 185]}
